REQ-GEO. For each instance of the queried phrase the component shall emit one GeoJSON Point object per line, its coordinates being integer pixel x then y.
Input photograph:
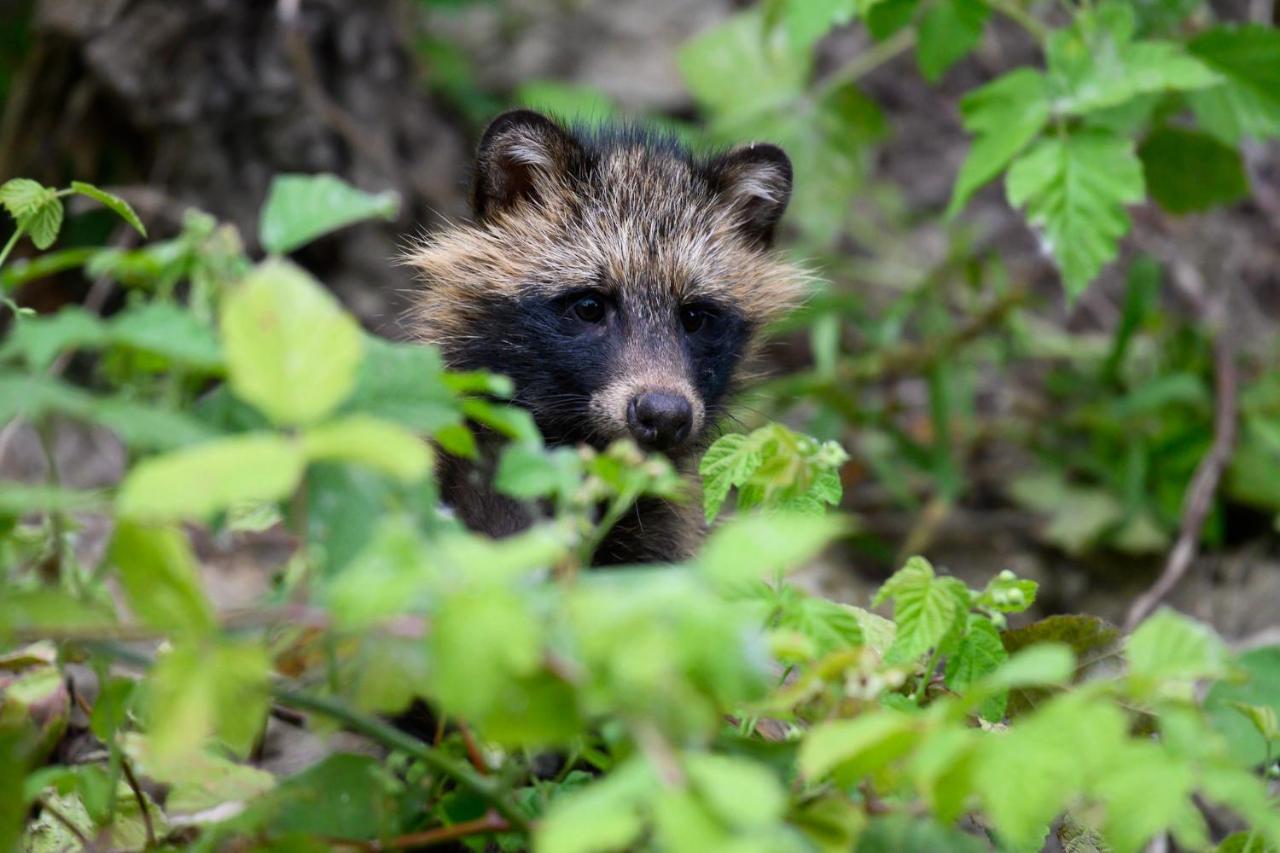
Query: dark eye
{"type": "Point", "coordinates": [693, 318]}
{"type": "Point", "coordinates": [589, 309]}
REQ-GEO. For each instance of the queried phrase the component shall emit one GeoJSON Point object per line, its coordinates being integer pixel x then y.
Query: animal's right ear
{"type": "Point", "coordinates": [522, 154]}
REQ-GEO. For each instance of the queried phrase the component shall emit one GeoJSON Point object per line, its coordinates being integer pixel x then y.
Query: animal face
{"type": "Point", "coordinates": [617, 279]}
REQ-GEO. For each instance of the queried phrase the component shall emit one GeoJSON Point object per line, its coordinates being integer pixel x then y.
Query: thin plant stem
{"type": "Point", "coordinates": [928, 674]}
{"type": "Point", "coordinates": [484, 787]}
{"type": "Point", "coordinates": [8, 247]}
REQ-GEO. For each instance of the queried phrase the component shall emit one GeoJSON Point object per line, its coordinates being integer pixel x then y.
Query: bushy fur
{"type": "Point", "coordinates": [631, 218]}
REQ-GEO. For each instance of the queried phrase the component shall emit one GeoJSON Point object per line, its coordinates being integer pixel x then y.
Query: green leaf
{"type": "Point", "coordinates": [342, 797]}
{"type": "Point", "coordinates": [197, 692]}
{"type": "Point", "coordinates": [18, 272]}
{"type": "Point", "coordinates": [740, 65]}
{"type": "Point", "coordinates": [1004, 116]}
{"type": "Point", "coordinates": [980, 653]}
{"type": "Point", "coordinates": [1026, 777]}
{"type": "Point", "coordinates": [205, 780]}
{"type": "Point", "coordinates": [728, 462]}
{"type": "Point", "coordinates": [1095, 63]}
{"type": "Point", "coordinates": [23, 196]}
{"type": "Point", "coordinates": [1075, 190]}
{"type": "Point", "coordinates": [143, 426]}
{"type": "Point", "coordinates": [161, 580]}
{"type": "Point", "coordinates": [198, 481]}
{"type": "Point", "coordinates": [526, 472]}
{"type": "Point", "coordinates": [1171, 647]}
{"type": "Point", "coordinates": [1188, 172]}
{"type": "Point", "coordinates": [18, 499]}
{"type": "Point", "coordinates": [739, 792]}
{"type": "Point", "coordinates": [1008, 593]}
{"type": "Point", "coordinates": [1147, 791]}
{"type": "Point", "coordinates": [503, 642]}
{"type": "Point", "coordinates": [170, 331]}
{"type": "Point", "coordinates": [301, 208]}
{"type": "Point", "coordinates": [606, 815]}
{"type": "Point", "coordinates": [829, 625]}
{"type": "Point", "coordinates": [389, 576]}
{"type": "Point", "coordinates": [372, 442]}
{"type": "Point", "coordinates": [760, 546]}
{"type": "Point", "coordinates": [1248, 104]}
{"type": "Point", "coordinates": [36, 209]}
{"type": "Point", "coordinates": [291, 350]}
{"type": "Point", "coordinates": [405, 383]}
{"type": "Point", "coordinates": [857, 746]}
{"type": "Point", "coordinates": [887, 17]}
{"type": "Point", "coordinates": [41, 339]}
{"type": "Point", "coordinates": [43, 224]}
{"type": "Point", "coordinates": [949, 30]}
{"type": "Point", "coordinates": [117, 205]}
{"type": "Point", "coordinates": [911, 834]}
{"type": "Point", "coordinates": [925, 608]}
{"type": "Point", "coordinates": [1041, 664]}
{"type": "Point", "coordinates": [807, 21]}
{"type": "Point", "coordinates": [1260, 690]}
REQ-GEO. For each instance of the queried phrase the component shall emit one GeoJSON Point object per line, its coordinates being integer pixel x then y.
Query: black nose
{"type": "Point", "coordinates": [659, 420]}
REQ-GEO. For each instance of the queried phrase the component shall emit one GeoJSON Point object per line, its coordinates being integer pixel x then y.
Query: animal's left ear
{"type": "Point", "coordinates": [756, 180]}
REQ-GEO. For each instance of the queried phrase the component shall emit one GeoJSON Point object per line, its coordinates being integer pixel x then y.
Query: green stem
{"type": "Point", "coordinates": [867, 61]}
{"type": "Point", "coordinates": [617, 508]}
{"type": "Point", "coordinates": [928, 674]}
{"type": "Point", "coordinates": [1011, 10]}
{"type": "Point", "coordinates": [485, 788]}
{"type": "Point", "coordinates": [8, 247]}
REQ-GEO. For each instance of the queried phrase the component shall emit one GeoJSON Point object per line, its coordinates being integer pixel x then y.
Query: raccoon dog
{"type": "Point", "coordinates": [620, 281]}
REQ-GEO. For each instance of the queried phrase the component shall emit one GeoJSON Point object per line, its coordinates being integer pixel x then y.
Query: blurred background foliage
{"type": "Point", "coordinates": [993, 416]}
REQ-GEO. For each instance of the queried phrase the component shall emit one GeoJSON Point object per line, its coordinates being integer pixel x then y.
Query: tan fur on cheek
{"type": "Point", "coordinates": [608, 406]}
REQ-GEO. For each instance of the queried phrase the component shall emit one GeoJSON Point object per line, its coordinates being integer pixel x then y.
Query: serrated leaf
{"type": "Point", "coordinates": [1004, 116]}
{"type": "Point", "coordinates": [1075, 190]}
{"type": "Point", "coordinates": [372, 442]}
{"type": "Point", "coordinates": [117, 205]}
{"type": "Point", "coordinates": [291, 350]}
{"type": "Point", "coordinates": [301, 208]}
{"type": "Point", "coordinates": [979, 654]}
{"type": "Point", "coordinates": [22, 196]}
{"type": "Point", "coordinates": [1187, 172]}
{"type": "Point", "coordinates": [949, 30]}
{"type": "Point", "coordinates": [728, 462]}
{"type": "Point", "coordinates": [160, 578]}
{"type": "Point", "coordinates": [925, 607]}
{"type": "Point", "coordinates": [1095, 64]}
{"type": "Point", "coordinates": [44, 222]}
{"type": "Point", "coordinates": [196, 482]}
{"type": "Point", "coordinates": [829, 625]}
